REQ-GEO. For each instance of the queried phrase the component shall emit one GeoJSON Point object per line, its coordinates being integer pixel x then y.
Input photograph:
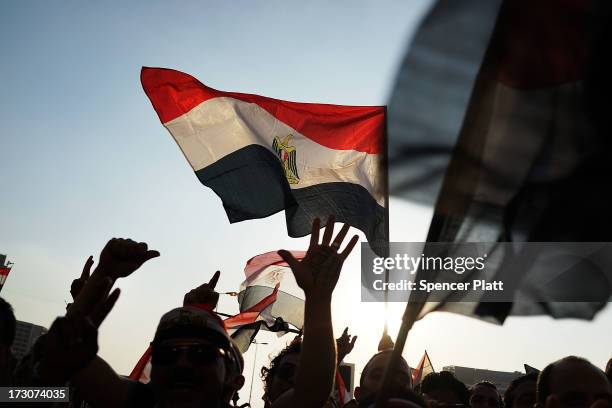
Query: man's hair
{"type": "Point", "coordinates": [487, 384]}
{"type": "Point", "coordinates": [365, 368]}
{"type": "Point", "coordinates": [268, 373]}
{"type": "Point", "coordinates": [8, 323]}
{"type": "Point", "coordinates": [405, 394]}
{"type": "Point", "coordinates": [543, 384]}
{"type": "Point", "coordinates": [445, 380]}
{"type": "Point", "coordinates": [609, 370]}
{"type": "Point", "coordinates": [484, 384]}
{"type": "Point", "coordinates": [514, 384]}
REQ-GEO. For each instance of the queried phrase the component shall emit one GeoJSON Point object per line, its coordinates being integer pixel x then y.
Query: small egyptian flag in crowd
{"type": "Point", "coordinates": [262, 155]}
{"type": "Point", "coordinates": [269, 299]}
{"type": "Point", "coordinates": [263, 306]}
{"type": "Point", "coordinates": [530, 370]}
{"type": "Point", "coordinates": [425, 367]}
{"type": "Point", "coordinates": [3, 275]}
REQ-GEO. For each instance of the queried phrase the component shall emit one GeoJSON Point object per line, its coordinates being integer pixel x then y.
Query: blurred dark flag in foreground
{"type": "Point", "coordinates": [499, 117]}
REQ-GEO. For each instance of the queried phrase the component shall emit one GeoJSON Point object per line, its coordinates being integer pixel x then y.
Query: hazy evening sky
{"type": "Point", "coordinates": [84, 159]}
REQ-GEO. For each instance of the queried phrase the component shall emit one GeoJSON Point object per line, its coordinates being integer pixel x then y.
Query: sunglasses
{"type": "Point", "coordinates": [198, 354]}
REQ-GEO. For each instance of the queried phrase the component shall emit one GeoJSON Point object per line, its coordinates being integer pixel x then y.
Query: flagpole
{"type": "Point", "coordinates": [387, 227]}
{"type": "Point", "coordinates": [415, 306]}
{"type": "Point", "coordinates": [410, 315]}
{"type": "Point", "coordinates": [253, 371]}
{"type": "Point", "coordinates": [9, 266]}
{"type": "Point", "coordinates": [430, 363]}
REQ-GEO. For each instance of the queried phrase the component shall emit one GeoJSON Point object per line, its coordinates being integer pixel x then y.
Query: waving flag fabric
{"type": "Point", "coordinates": [4, 272]}
{"type": "Point", "coordinates": [269, 299]}
{"type": "Point", "coordinates": [425, 367]}
{"type": "Point", "coordinates": [262, 303]}
{"type": "Point", "coordinates": [519, 150]}
{"type": "Point", "coordinates": [262, 155]}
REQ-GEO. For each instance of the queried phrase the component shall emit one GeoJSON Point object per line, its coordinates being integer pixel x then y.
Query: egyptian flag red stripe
{"type": "Point", "coordinates": [142, 369]}
{"type": "Point", "coordinates": [262, 155]}
{"type": "Point", "coordinates": [260, 263]}
{"type": "Point", "coordinates": [4, 272]}
{"type": "Point", "coordinates": [252, 314]}
{"type": "Point", "coordinates": [341, 389]}
{"type": "Point", "coordinates": [338, 127]}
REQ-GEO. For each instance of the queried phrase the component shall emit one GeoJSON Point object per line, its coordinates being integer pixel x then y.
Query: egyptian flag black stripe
{"type": "Point", "coordinates": [252, 184]}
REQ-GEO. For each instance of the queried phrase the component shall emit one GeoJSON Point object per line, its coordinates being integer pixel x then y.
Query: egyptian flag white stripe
{"type": "Point", "coordinates": [262, 155]}
{"type": "Point", "coordinates": [221, 126]}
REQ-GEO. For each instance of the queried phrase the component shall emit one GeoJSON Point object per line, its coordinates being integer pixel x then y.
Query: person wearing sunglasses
{"type": "Point", "coordinates": [573, 382]}
{"type": "Point", "coordinates": [206, 296]}
{"type": "Point", "coordinates": [192, 362]}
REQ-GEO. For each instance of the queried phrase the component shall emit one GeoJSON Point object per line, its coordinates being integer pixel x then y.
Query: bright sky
{"type": "Point", "coordinates": [86, 159]}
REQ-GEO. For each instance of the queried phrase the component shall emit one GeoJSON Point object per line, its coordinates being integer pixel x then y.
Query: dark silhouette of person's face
{"type": "Point", "coordinates": [484, 397]}
{"type": "Point", "coordinates": [578, 384]}
{"type": "Point", "coordinates": [285, 376]}
{"type": "Point", "coordinates": [524, 395]}
{"type": "Point", "coordinates": [375, 372]}
{"type": "Point", "coordinates": [188, 372]}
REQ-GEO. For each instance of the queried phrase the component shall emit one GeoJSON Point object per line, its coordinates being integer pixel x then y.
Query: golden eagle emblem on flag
{"type": "Point", "coordinates": [287, 155]}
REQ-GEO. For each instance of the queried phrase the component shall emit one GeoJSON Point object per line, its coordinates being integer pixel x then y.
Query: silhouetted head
{"type": "Point", "coordinates": [8, 324]}
{"type": "Point", "coordinates": [444, 389]}
{"type": "Point", "coordinates": [192, 361]}
{"type": "Point", "coordinates": [374, 372]}
{"type": "Point", "coordinates": [280, 376]}
{"type": "Point", "coordinates": [521, 393]}
{"type": "Point", "coordinates": [484, 395]}
{"type": "Point", "coordinates": [572, 382]}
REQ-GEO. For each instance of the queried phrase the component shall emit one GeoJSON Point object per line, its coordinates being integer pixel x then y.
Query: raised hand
{"type": "Point", "coordinates": [121, 257]}
{"type": "Point", "coordinates": [72, 341]}
{"type": "Point", "coordinates": [318, 272]}
{"type": "Point", "coordinates": [345, 344]}
{"type": "Point", "coordinates": [78, 284]}
{"type": "Point", "coordinates": [204, 294]}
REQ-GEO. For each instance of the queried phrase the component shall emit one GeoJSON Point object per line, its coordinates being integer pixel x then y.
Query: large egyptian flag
{"type": "Point", "coordinates": [262, 155]}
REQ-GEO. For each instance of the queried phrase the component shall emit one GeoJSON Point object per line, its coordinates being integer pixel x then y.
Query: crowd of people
{"type": "Point", "coordinates": [194, 362]}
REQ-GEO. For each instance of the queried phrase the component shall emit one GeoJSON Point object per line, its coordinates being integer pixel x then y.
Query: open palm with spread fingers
{"type": "Point", "coordinates": [318, 272]}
